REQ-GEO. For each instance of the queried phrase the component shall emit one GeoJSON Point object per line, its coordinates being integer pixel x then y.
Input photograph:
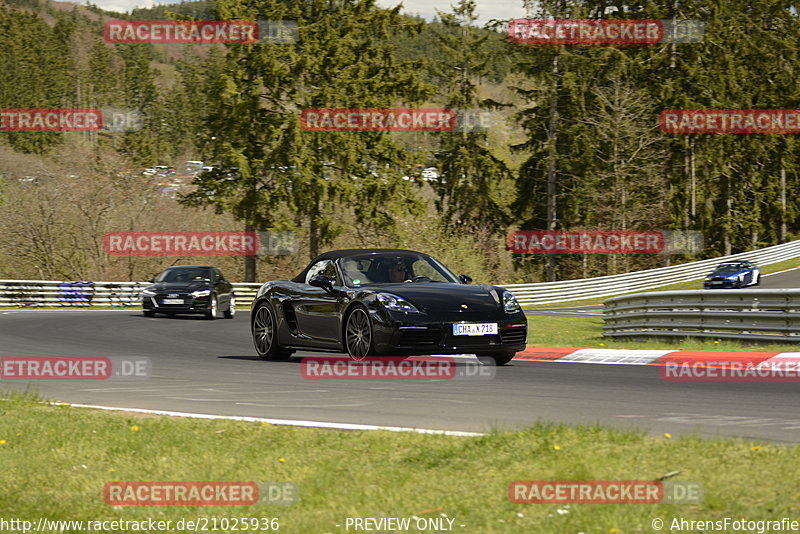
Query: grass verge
{"type": "Point", "coordinates": [587, 332]}
{"type": "Point", "coordinates": [55, 460]}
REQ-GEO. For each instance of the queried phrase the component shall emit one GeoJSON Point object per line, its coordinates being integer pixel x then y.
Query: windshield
{"type": "Point", "coordinates": [367, 269]}
{"type": "Point", "coordinates": [728, 268]}
{"type": "Point", "coordinates": [184, 274]}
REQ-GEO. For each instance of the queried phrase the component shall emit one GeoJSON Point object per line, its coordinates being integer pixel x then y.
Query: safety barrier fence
{"type": "Point", "coordinates": [37, 293]}
{"type": "Point", "coordinates": [763, 315]}
{"type": "Point", "coordinates": [32, 293]}
{"type": "Point", "coordinates": [604, 286]}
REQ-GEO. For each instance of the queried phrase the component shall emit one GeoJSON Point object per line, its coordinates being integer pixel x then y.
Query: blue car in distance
{"type": "Point", "coordinates": [733, 274]}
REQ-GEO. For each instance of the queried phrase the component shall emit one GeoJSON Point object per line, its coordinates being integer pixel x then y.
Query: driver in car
{"type": "Point", "coordinates": [398, 273]}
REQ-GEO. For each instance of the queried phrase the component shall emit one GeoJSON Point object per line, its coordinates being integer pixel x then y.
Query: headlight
{"type": "Point", "coordinates": [395, 303]}
{"type": "Point", "coordinates": [510, 303]}
{"type": "Point", "coordinates": [201, 293]}
{"type": "Point", "coordinates": [148, 292]}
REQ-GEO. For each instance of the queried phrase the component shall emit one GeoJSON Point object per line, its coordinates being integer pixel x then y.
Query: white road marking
{"type": "Point", "coordinates": [781, 272]}
{"type": "Point", "coordinates": [614, 356]}
{"type": "Point", "coordinates": [288, 422]}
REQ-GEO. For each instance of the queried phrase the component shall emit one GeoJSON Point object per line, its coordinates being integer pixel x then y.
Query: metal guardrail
{"type": "Point", "coordinates": [39, 293]}
{"type": "Point", "coordinates": [605, 286]}
{"type": "Point", "coordinates": [49, 293]}
{"type": "Point", "coordinates": [763, 315]}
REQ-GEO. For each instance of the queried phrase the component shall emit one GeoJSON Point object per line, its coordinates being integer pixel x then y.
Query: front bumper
{"type": "Point", "coordinates": [406, 335]}
{"type": "Point", "coordinates": [719, 284]}
{"type": "Point", "coordinates": [189, 305]}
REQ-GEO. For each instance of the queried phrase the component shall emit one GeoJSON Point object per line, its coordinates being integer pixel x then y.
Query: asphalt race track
{"type": "Point", "coordinates": [210, 367]}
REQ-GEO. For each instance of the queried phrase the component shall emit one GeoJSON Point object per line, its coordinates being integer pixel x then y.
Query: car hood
{"type": "Point", "coordinates": [445, 297]}
{"type": "Point", "coordinates": [176, 287]}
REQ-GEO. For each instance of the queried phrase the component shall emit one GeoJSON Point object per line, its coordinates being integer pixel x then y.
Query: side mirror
{"type": "Point", "coordinates": [465, 278]}
{"type": "Point", "coordinates": [322, 281]}
{"type": "Point", "coordinates": [151, 280]}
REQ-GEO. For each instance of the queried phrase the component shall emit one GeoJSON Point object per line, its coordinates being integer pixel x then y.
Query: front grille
{"type": "Point", "coordinates": [185, 298]}
{"type": "Point", "coordinates": [514, 336]}
{"type": "Point", "coordinates": [420, 337]}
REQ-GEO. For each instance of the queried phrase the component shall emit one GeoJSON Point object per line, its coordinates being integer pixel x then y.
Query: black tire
{"type": "Point", "coordinates": [502, 358]}
{"type": "Point", "coordinates": [211, 313]}
{"type": "Point", "coordinates": [737, 284]}
{"type": "Point", "coordinates": [358, 338]}
{"type": "Point", "coordinates": [263, 328]}
{"type": "Point", "coordinates": [230, 313]}
{"type": "Point", "coordinates": [148, 313]}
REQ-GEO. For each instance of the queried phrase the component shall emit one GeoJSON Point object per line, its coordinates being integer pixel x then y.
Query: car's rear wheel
{"type": "Point", "coordinates": [211, 313]}
{"type": "Point", "coordinates": [230, 313]}
{"type": "Point", "coordinates": [502, 358]}
{"type": "Point", "coordinates": [358, 334]}
{"type": "Point", "coordinates": [265, 336]}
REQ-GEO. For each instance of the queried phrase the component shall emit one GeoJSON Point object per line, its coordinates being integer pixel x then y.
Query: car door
{"type": "Point", "coordinates": [317, 310]}
{"type": "Point", "coordinates": [752, 272]}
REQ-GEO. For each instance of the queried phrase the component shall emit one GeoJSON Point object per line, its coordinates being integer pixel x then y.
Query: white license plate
{"type": "Point", "coordinates": [172, 301]}
{"type": "Point", "coordinates": [716, 283]}
{"type": "Point", "coordinates": [474, 329]}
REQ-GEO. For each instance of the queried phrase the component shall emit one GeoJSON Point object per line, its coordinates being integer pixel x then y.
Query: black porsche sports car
{"type": "Point", "coordinates": [369, 302]}
{"type": "Point", "coordinates": [190, 289]}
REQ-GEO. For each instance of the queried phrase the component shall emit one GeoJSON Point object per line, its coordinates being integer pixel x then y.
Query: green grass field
{"type": "Point", "coordinates": [55, 460]}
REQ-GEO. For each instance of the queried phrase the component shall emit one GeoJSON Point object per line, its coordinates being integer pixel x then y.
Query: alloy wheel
{"type": "Point", "coordinates": [358, 335]}
{"type": "Point", "coordinates": [263, 331]}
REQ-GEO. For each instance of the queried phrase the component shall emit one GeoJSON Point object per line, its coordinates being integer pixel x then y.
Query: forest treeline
{"type": "Point", "coordinates": [575, 143]}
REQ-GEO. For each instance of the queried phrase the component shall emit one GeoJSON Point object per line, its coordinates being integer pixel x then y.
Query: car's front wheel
{"type": "Point", "coordinates": [148, 313]}
{"type": "Point", "coordinates": [230, 313]}
{"type": "Point", "coordinates": [211, 313]}
{"type": "Point", "coordinates": [265, 335]}
{"type": "Point", "coordinates": [358, 334]}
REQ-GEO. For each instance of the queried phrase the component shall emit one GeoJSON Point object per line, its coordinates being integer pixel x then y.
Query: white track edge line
{"type": "Point", "coordinates": [781, 272]}
{"type": "Point", "coordinates": [287, 422]}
